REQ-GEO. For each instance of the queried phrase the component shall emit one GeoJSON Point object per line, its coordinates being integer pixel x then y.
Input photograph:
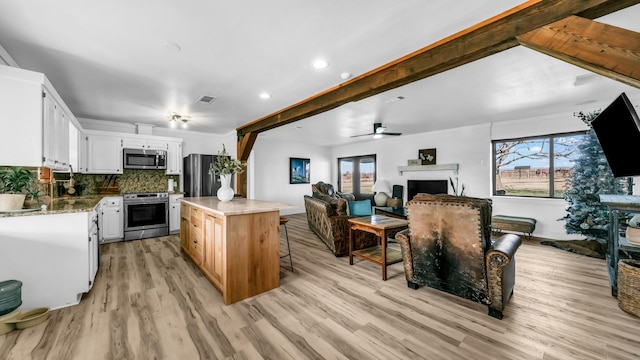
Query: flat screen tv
{"type": "Point", "coordinates": [426, 186]}
{"type": "Point", "coordinates": [618, 131]}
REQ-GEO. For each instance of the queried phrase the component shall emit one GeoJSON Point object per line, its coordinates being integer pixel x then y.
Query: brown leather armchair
{"type": "Point", "coordinates": [448, 247]}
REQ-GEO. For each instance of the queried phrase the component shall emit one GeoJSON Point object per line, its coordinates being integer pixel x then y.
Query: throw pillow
{"type": "Point", "coordinates": [360, 208]}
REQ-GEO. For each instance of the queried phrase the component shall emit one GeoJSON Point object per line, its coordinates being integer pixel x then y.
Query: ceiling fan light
{"type": "Point", "coordinates": [377, 136]}
{"type": "Point", "coordinates": [380, 129]}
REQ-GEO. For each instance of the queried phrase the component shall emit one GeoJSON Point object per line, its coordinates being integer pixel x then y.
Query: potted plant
{"type": "Point", "coordinates": [14, 183]}
{"type": "Point", "coordinates": [225, 167]}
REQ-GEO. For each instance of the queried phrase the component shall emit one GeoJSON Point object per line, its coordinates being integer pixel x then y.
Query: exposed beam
{"type": "Point", "coordinates": [484, 39]}
{"type": "Point", "coordinates": [604, 49]}
{"type": "Point", "coordinates": [245, 143]}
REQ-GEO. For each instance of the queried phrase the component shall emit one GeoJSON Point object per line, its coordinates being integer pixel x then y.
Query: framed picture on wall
{"type": "Point", "coordinates": [299, 171]}
{"type": "Point", "coordinates": [428, 156]}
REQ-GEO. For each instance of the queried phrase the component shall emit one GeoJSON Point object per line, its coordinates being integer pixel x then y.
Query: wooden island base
{"type": "Point", "coordinates": [235, 244]}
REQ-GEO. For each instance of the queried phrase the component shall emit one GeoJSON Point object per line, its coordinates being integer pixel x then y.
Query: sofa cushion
{"type": "Point", "coordinates": [360, 207]}
{"type": "Point", "coordinates": [339, 206]}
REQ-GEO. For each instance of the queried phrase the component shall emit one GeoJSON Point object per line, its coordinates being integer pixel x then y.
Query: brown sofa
{"type": "Point", "coordinates": [448, 247]}
{"type": "Point", "coordinates": [327, 217]}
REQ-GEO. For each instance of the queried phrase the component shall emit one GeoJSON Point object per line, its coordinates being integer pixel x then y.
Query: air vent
{"type": "Point", "coordinates": [207, 99]}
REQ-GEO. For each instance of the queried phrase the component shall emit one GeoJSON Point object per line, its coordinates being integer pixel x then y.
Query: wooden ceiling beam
{"type": "Point", "coordinates": [245, 143]}
{"type": "Point", "coordinates": [603, 49]}
{"type": "Point", "coordinates": [484, 39]}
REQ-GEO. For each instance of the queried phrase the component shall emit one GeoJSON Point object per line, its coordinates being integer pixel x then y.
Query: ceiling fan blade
{"type": "Point", "coordinates": [353, 136]}
{"type": "Point", "coordinates": [392, 134]}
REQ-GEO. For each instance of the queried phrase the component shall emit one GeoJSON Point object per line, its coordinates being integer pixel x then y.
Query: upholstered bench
{"type": "Point", "coordinates": [513, 223]}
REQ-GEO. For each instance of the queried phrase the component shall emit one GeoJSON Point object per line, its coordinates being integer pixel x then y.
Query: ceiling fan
{"type": "Point", "coordinates": [378, 132]}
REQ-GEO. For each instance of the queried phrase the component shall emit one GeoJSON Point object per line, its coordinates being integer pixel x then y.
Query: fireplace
{"type": "Point", "coordinates": [426, 186]}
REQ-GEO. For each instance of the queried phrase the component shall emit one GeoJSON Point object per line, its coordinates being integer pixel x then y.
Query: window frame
{"type": "Point", "coordinates": [356, 171]}
{"type": "Point", "coordinates": [551, 179]}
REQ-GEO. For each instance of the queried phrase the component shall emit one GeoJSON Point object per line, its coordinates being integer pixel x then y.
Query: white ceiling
{"type": "Point", "coordinates": [108, 61]}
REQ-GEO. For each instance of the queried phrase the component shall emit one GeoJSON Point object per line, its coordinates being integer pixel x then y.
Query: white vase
{"type": "Point", "coordinates": [225, 193]}
{"type": "Point", "coordinates": [11, 201]}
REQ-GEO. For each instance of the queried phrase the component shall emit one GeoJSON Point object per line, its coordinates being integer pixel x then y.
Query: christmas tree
{"type": "Point", "coordinates": [590, 177]}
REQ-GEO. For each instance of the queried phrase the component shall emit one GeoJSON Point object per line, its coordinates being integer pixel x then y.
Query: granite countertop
{"type": "Point", "coordinates": [237, 206]}
{"type": "Point", "coordinates": [61, 205]}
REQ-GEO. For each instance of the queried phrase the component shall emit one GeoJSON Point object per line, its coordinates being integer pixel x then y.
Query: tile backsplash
{"type": "Point", "coordinates": [130, 181]}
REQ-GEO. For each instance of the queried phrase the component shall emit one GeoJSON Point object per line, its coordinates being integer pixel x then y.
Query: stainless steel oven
{"type": "Point", "coordinates": [146, 215]}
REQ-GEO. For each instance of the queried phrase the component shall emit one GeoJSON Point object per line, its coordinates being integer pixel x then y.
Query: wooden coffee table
{"type": "Point", "coordinates": [379, 225]}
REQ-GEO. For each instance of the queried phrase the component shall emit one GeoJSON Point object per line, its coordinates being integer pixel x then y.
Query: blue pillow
{"type": "Point", "coordinates": [360, 207]}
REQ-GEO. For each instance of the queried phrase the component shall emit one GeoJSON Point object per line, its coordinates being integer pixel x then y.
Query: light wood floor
{"type": "Point", "coordinates": [150, 302]}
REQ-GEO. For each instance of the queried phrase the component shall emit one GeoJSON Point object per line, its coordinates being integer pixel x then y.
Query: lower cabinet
{"type": "Point", "coordinates": [111, 219]}
{"type": "Point", "coordinates": [185, 227]}
{"type": "Point", "coordinates": [214, 248]}
{"type": "Point", "coordinates": [54, 255]}
{"type": "Point", "coordinates": [174, 212]}
{"type": "Point", "coordinates": [196, 235]}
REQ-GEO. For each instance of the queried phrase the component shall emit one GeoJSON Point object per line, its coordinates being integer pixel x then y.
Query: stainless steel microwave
{"type": "Point", "coordinates": [145, 159]}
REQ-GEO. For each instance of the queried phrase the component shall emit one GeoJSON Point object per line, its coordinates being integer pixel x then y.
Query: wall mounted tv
{"type": "Point", "coordinates": [618, 131]}
{"type": "Point", "coordinates": [426, 186]}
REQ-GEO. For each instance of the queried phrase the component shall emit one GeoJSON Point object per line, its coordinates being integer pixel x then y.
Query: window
{"type": "Point", "coordinates": [357, 175]}
{"type": "Point", "coordinates": [535, 166]}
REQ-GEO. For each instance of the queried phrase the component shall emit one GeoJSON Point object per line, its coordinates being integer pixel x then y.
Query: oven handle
{"type": "Point", "coordinates": [146, 201]}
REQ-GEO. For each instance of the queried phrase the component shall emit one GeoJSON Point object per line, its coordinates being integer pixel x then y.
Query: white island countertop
{"type": "Point", "coordinates": [237, 206]}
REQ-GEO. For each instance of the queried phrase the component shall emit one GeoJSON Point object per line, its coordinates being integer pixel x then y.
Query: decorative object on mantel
{"type": "Point", "coordinates": [381, 188]}
{"type": "Point", "coordinates": [225, 167]}
{"type": "Point", "coordinates": [413, 162]}
{"type": "Point", "coordinates": [455, 187]}
{"type": "Point", "coordinates": [299, 171]}
{"type": "Point", "coordinates": [428, 156]}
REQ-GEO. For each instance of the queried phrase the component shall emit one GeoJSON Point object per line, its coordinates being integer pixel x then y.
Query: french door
{"type": "Point", "coordinates": [357, 175]}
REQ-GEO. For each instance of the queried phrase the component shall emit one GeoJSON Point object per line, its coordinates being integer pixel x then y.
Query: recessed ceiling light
{"type": "Point", "coordinates": [173, 47]}
{"type": "Point", "coordinates": [265, 95]}
{"type": "Point", "coordinates": [345, 75]}
{"type": "Point", "coordinates": [320, 64]}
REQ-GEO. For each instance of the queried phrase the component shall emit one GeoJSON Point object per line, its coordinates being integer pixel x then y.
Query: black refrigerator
{"type": "Point", "coordinates": [197, 180]}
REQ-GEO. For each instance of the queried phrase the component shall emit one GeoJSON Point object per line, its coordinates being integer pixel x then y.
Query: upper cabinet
{"type": "Point", "coordinates": [100, 152]}
{"type": "Point", "coordinates": [104, 154]}
{"type": "Point", "coordinates": [174, 158]}
{"type": "Point", "coordinates": [141, 143]}
{"type": "Point", "coordinates": [37, 126]}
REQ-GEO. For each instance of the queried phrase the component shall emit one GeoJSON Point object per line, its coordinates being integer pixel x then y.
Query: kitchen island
{"type": "Point", "coordinates": [235, 244]}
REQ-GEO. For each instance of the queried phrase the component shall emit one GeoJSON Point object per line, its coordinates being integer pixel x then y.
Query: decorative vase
{"type": "Point", "coordinates": [225, 193]}
{"type": "Point", "coordinates": [11, 201]}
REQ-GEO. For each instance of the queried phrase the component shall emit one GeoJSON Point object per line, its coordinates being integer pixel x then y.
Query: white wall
{"type": "Point", "coordinates": [466, 146]}
{"type": "Point", "coordinates": [470, 147]}
{"type": "Point", "coordinates": [269, 171]}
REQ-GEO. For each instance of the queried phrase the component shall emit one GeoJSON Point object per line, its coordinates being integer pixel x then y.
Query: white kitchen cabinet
{"type": "Point", "coordinates": [55, 147]}
{"type": "Point", "coordinates": [174, 158]}
{"type": "Point", "coordinates": [174, 213]}
{"type": "Point", "coordinates": [141, 143]}
{"type": "Point", "coordinates": [77, 150]}
{"type": "Point", "coordinates": [37, 121]}
{"type": "Point", "coordinates": [104, 154]}
{"type": "Point", "coordinates": [51, 255]}
{"type": "Point", "coordinates": [94, 252]}
{"type": "Point", "coordinates": [111, 219]}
